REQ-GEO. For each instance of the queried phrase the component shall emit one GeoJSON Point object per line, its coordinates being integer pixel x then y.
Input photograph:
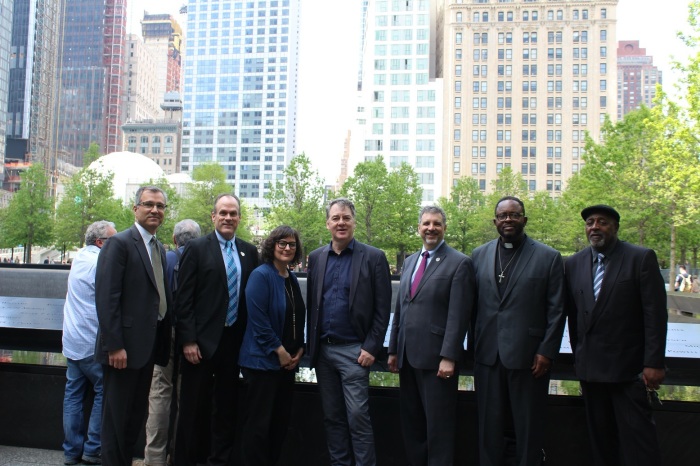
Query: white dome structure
{"type": "Point", "coordinates": [130, 169]}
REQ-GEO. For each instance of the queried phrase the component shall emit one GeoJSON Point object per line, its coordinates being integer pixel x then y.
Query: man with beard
{"type": "Point", "coordinates": [518, 328]}
{"type": "Point", "coordinates": [616, 304]}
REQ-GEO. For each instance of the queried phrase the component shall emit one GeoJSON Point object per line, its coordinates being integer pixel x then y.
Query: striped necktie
{"type": "Point", "coordinates": [157, 264]}
{"type": "Point", "coordinates": [232, 280]}
{"type": "Point", "coordinates": [598, 279]}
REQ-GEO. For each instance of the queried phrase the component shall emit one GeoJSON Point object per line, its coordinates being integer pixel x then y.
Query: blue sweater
{"type": "Point", "coordinates": [267, 307]}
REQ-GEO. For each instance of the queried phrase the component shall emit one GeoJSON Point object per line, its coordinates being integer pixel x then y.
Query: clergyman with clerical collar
{"type": "Point", "coordinates": [518, 326]}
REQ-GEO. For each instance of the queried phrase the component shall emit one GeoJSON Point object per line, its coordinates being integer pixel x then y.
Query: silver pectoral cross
{"type": "Point", "coordinates": [501, 277]}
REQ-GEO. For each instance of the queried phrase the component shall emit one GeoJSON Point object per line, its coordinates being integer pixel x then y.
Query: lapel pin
{"type": "Point", "coordinates": [437, 259]}
{"type": "Point", "coordinates": [242, 254]}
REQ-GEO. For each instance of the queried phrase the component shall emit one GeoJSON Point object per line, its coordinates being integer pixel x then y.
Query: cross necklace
{"type": "Point", "coordinates": [502, 275]}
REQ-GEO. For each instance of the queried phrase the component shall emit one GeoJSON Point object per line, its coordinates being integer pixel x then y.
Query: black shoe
{"type": "Point", "coordinates": [91, 460]}
{"type": "Point", "coordinates": [71, 461]}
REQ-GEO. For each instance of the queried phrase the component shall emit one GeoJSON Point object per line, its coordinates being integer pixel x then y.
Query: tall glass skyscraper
{"type": "Point", "coordinates": [5, 39]}
{"type": "Point", "coordinates": [240, 90]}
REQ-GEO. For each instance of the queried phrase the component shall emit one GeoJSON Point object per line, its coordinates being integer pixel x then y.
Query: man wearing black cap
{"type": "Point", "coordinates": [616, 305]}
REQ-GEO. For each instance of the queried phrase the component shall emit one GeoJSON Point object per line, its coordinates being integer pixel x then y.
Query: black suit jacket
{"type": "Point", "coordinates": [614, 338]}
{"type": "Point", "coordinates": [370, 297]}
{"type": "Point", "coordinates": [529, 318]}
{"type": "Point", "coordinates": [432, 325]}
{"type": "Point", "coordinates": [202, 291]}
{"type": "Point", "coordinates": [127, 300]}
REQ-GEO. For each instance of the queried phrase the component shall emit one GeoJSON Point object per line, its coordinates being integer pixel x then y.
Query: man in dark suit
{"type": "Point", "coordinates": [616, 304]}
{"type": "Point", "coordinates": [132, 300]}
{"type": "Point", "coordinates": [433, 308]}
{"type": "Point", "coordinates": [211, 316]}
{"type": "Point", "coordinates": [518, 328]}
{"type": "Point", "coordinates": [348, 302]}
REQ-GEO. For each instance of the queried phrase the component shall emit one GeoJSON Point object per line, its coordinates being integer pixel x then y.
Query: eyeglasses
{"type": "Point", "coordinates": [284, 244]}
{"type": "Point", "coordinates": [513, 216]}
{"type": "Point", "coordinates": [151, 205]}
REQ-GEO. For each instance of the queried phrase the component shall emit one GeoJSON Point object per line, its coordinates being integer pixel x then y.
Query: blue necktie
{"type": "Point", "coordinates": [598, 279]}
{"type": "Point", "coordinates": [232, 280]}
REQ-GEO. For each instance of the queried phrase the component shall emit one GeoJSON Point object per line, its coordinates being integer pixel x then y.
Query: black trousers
{"type": "Point", "coordinates": [269, 404]}
{"type": "Point", "coordinates": [124, 410]}
{"type": "Point", "coordinates": [621, 425]}
{"type": "Point", "coordinates": [208, 403]}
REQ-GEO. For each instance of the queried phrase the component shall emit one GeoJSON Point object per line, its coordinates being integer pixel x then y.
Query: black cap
{"type": "Point", "coordinates": [602, 209]}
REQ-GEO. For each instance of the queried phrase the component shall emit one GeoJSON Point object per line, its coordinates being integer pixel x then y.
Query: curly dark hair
{"type": "Point", "coordinates": [270, 243]}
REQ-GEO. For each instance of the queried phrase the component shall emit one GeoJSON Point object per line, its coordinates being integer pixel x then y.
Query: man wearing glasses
{"type": "Point", "coordinates": [133, 301]}
{"type": "Point", "coordinates": [517, 333]}
{"type": "Point", "coordinates": [211, 315]}
{"type": "Point", "coordinates": [348, 302]}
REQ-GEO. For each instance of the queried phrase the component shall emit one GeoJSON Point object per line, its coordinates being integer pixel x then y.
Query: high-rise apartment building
{"type": "Point", "coordinates": [33, 56]}
{"type": "Point", "coordinates": [240, 90]}
{"type": "Point", "coordinates": [91, 72]}
{"type": "Point", "coordinates": [525, 80]}
{"type": "Point", "coordinates": [637, 77]}
{"type": "Point", "coordinates": [401, 97]}
{"type": "Point", "coordinates": [162, 36]}
{"type": "Point", "coordinates": [6, 7]}
{"type": "Point", "coordinates": [141, 81]}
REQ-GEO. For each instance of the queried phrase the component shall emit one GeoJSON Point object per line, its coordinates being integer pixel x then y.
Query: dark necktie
{"type": "Point", "coordinates": [232, 281]}
{"type": "Point", "coordinates": [158, 273]}
{"type": "Point", "coordinates": [598, 279]}
{"type": "Point", "coordinates": [419, 273]}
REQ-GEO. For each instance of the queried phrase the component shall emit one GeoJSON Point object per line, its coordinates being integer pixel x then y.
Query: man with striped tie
{"type": "Point", "coordinates": [211, 315]}
{"type": "Point", "coordinates": [616, 305]}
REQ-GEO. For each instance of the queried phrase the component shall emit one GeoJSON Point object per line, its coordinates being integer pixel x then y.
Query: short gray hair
{"type": "Point", "coordinates": [186, 230]}
{"type": "Point", "coordinates": [342, 202]}
{"type": "Point", "coordinates": [97, 230]}
{"type": "Point", "coordinates": [222, 195]}
{"type": "Point", "coordinates": [153, 189]}
{"type": "Point", "coordinates": [432, 209]}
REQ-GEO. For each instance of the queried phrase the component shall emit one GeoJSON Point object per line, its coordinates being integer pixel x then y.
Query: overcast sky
{"type": "Point", "coordinates": [328, 60]}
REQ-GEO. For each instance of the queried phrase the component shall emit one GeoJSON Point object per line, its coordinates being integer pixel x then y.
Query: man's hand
{"type": "Point", "coordinates": [284, 357]}
{"type": "Point", "coordinates": [295, 360]}
{"type": "Point", "coordinates": [653, 377]}
{"type": "Point", "coordinates": [447, 368]}
{"type": "Point", "coordinates": [192, 353]}
{"type": "Point", "coordinates": [540, 366]}
{"type": "Point", "coordinates": [117, 358]}
{"type": "Point", "coordinates": [393, 362]}
{"type": "Point", "coordinates": [365, 359]}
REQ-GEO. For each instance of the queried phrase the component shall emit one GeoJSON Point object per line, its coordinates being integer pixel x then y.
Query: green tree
{"type": "Point", "coordinates": [27, 218]}
{"type": "Point", "coordinates": [297, 201]}
{"type": "Point", "coordinates": [546, 222]}
{"type": "Point", "coordinates": [467, 216]}
{"type": "Point", "coordinates": [367, 189]}
{"type": "Point", "coordinates": [403, 198]}
{"type": "Point", "coordinates": [88, 197]}
{"type": "Point", "coordinates": [209, 180]}
{"type": "Point", "coordinates": [92, 154]}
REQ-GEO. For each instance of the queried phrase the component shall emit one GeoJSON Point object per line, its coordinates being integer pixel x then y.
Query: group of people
{"type": "Point", "coordinates": [236, 311]}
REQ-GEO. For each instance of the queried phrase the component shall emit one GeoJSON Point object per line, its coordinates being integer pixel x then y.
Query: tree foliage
{"type": "Point", "coordinates": [88, 197]}
{"type": "Point", "coordinates": [209, 180]}
{"type": "Point", "coordinates": [298, 201]}
{"type": "Point", "coordinates": [27, 220]}
{"type": "Point", "coordinates": [467, 216]}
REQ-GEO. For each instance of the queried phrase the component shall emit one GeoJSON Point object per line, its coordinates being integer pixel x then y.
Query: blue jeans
{"type": "Point", "coordinates": [81, 374]}
{"type": "Point", "coordinates": [344, 388]}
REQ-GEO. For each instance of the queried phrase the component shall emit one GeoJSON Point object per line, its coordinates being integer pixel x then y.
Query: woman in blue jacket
{"type": "Point", "coordinates": [272, 346]}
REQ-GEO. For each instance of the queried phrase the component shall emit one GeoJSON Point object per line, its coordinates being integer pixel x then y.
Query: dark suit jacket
{"type": "Point", "coordinates": [370, 297]}
{"type": "Point", "coordinates": [529, 318]}
{"type": "Point", "coordinates": [202, 292]}
{"type": "Point", "coordinates": [614, 338]}
{"type": "Point", "coordinates": [432, 325]}
{"type": "Point", "coordinates": [126, 296]}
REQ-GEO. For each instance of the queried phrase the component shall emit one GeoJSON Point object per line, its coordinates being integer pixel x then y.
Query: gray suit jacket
{"type": "Point", "coordinates": [126, 297]}
{"type": "Point", "coordinates": [529, 318]}
{"type": "Point", "coordinates": [432, 325]}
